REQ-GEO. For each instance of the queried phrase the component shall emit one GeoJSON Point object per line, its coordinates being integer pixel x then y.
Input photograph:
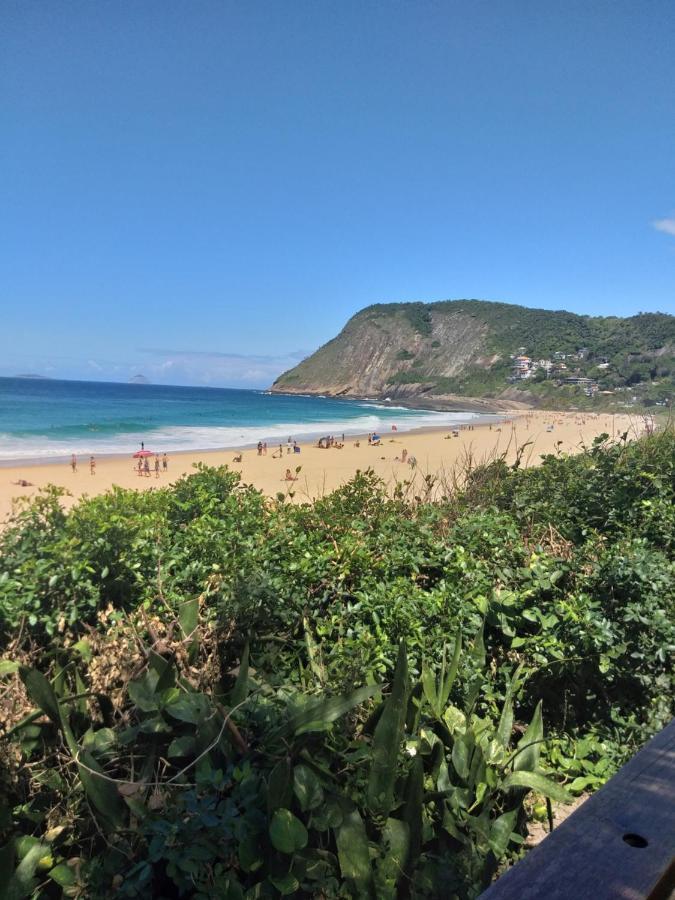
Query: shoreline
{"type": "Point", "coordinates": [436, 450]}
{"type": "Point", "coordinates": [302, 438]}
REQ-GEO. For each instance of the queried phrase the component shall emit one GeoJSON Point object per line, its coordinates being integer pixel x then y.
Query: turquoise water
{"type": "Point", "coordinates": [44, 419]}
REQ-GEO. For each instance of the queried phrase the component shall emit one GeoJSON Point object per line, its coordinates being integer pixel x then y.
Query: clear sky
{"type": "Point", "coordinates": [203, 191]}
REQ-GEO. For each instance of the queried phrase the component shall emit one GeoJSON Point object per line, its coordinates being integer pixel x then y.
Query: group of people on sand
{"type": "Point", "coordinates": [330, 442]}
{"type": "Point", "coordinates": [143, 467]}
{"type": "Point", "coordinates": [92, 464]}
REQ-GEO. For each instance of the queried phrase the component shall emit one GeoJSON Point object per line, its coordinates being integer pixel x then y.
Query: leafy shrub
{"type": "Point", "coordinates": [144, 620]}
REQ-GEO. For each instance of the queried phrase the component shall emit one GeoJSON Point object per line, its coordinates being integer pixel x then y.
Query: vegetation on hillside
{"type": "Point", "coordinates": [205, 692]}
{"type": "Point", "coordinates": [636, 354]}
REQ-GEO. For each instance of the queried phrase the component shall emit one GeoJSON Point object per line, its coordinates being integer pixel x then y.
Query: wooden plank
{"type": "Point", "coordinates": [619, 844]}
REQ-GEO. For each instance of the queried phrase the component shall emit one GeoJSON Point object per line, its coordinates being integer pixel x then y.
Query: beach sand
{"type": "Point", "coordinates": [323, 470]}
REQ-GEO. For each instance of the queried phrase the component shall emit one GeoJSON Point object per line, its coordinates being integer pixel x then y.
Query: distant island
{"type": "Point", "coordinates": [35, 377]}
{"type": "Point", "coordinates": [139, 379]}
{"type": "Point", "coordinates": [477, 353]}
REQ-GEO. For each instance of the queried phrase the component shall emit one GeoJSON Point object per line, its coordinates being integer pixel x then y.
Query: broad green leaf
{"type": "Point", "coordinates": [188, 616]}
{"type": "Point", "coordinates": [455, 719]}
{"type": "Point", "coordinates": [385, 748]}
{"type": "Point", "coordinates": [22, 881]}
{"type": "Point", "coordinates": [500, 832]}
{"type": "Point", "coordinates": [142, 692]}
{"type": "Point", "coordinates": [395, 846]}
{"type": "Point", "coordinates": [505, 726]}
{"type": "Point", "coordinates": [412, 812]}
{"type": "Point", "coordinates": [307, 788]}
{"type": "Point", "coordinates": [313, 653]}
{"type": "Point", "coordinates": [63, 875]}
{"type": "Point", "coordinates": [83, 647]}
{"type": "Point", "coordinates": [102, 793]}
{"type": "Point", "coordinates": [353, 851]}
{"type": "Point", "coordinates": [529, 746]}
{"type": "Point", "coordinates": [461, 757]}
{"type": "Point", "coordinates": [250, 853]}
{"type": "Point", "coordinates": [285, 884]}
{"type": "Point", "coordinates": [534, 781]}
{"type": "Point", "coordinates": [191, 708]}
{"type": "Point", "coordinates": [449, 679]}
{"type": "Point", "coordinates": [181, 746]}
{"type": "Point", "coordinates": [429, 686]}
{"type": "Point", "coordinates": [478, 648]}
{"type": "Point", "coordinates": [320, 713]}
{"type": "Point", "coordinates": [287, 832]}
{"type": "Point", "coordinates": [165, 671]}
{"type": "Point", "coordinates": [7, 667]}
{"type": "Point", "coordinates": [41, 693]}
{"type": "Point", "coordinates": [280, 786]}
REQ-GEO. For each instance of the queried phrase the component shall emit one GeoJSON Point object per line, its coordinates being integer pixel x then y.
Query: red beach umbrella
{"type": "Point", "coordinates": [141, 454]}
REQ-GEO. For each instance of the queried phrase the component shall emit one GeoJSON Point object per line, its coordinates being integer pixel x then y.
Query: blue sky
{"type": "Point", "coordinates": [205, 191]}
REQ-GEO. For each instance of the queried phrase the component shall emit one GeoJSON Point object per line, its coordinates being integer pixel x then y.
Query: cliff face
{"type": "Point", "coordinates": [373, 348]}
{"type": "Point", "coordinates": [461, 352]}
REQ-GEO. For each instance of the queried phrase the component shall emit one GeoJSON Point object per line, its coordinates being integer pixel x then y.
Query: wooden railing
{"type": "Point", "coordinates": [619, 844]}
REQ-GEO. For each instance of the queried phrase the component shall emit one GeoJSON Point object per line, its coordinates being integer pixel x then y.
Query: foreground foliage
{"type": "Point", "coordinates": [208, 693]}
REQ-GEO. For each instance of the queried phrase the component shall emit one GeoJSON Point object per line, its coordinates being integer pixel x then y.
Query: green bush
{"type": "Point", "coordinates": [368, 745]}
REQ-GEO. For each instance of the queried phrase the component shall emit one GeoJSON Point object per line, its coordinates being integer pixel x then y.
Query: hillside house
{"type": "Point", "coordinates": [522, 368]}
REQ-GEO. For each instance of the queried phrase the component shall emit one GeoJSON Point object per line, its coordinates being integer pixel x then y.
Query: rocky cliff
{"type": "Point", "coordinates": [460, 352]}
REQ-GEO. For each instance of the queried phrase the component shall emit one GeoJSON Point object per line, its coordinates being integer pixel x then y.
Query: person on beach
{"type": "Point", "coordinates": [165, 462]}
{"type": "Point", "coordinates": [146, 467]}
{"type": "Point", "coordinates": [259, 448]}
{"type": "Point", "coordinates": [290, 476]}
{"type": "Point", "coordinates": [157, 467]}
{"type": "Point", "coordinates": [92, 465]}
{"type": "Point", "coordinates": [237, 458]}
{"type": "Point", "coordinates": [73, 463]}
{"type": "Point", "coordinates": [264, 448]}
{"type": "Point", "coordinates": [23, 483]}
{"type": "Point", "coordinates": [139, 467]}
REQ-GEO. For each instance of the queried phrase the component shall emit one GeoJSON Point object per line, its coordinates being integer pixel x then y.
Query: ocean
{"type": "Point", "coordinates": [49, 419]}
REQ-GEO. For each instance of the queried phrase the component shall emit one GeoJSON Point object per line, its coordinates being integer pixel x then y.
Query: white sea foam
{"type": "Point", "coordinates": [175, 438]}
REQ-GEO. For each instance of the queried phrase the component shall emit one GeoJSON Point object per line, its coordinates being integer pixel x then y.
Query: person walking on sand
{"type": "Point", "coordinates": [259, 448]}
{"type": "Point", "coordinates": [165, 462]}
{"type": "Point", "coordinates": [140, 467]}
{"type": "Point", "coordinates": [92, 465]}
{"type": "Point", "coordinates": [157, 467]}
{"type": "Point", "coordinates": [264, 448]}
{"type": "Point", "coordinates": [146, 467]}
{"type": "Point", "coordinates": [73, 463]}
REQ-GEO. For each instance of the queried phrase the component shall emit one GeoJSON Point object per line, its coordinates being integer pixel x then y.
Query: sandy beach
{"type": "Point", "coordinates": [436, 452]}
